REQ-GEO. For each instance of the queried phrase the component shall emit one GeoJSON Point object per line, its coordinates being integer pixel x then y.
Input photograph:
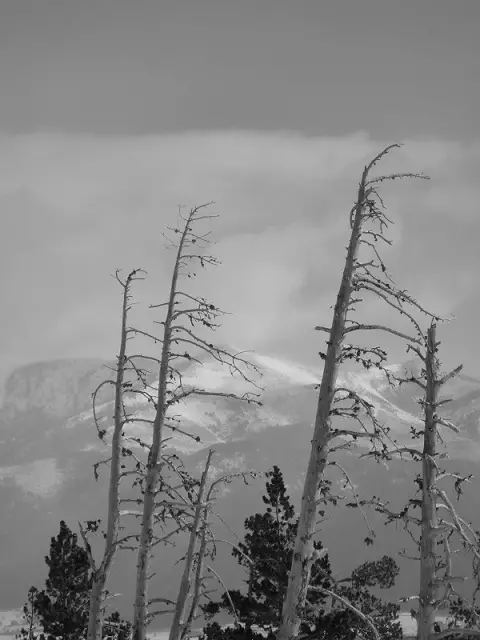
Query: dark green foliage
{"type": "Point", "coordinates": [339, 623]}
{"type": "Point", "coordinates": [268, 544]}
{"type": "Point", "coordinates": [463, 614]}
{"type": "Point", "coordinates": [63, 605]}
{"type": "Point", "coordinates": [115, 627]}
{"type": "Point", "coordinates": [61, 609]}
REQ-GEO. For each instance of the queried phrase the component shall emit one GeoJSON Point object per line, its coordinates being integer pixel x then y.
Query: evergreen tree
{"type": "Point", "coordinates": [63, 605]}
{"type": "Point", "coordinates": [266, 554]}
{"type": "Point", "coordinates": [61, 609]}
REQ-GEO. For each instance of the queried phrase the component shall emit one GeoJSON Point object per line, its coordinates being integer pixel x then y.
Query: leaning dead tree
{"type": "Point", "coordinates": [202, 545]}
{"type": "Point", "coordinates": [362, 276]}
{"type": "Point", "coordinates": [185, 314]}
{"type": "Point", "coordinates": [122, 386]}
{"type": "Point", "coordinates": [438, 531]}
{"type": "Point", "coordinates": [186, 581]}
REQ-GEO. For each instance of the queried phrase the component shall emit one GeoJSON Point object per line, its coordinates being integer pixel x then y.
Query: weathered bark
{"type": "Point", "coordinates": [100, 574]}
{"type": "Point", "coordinates": [429, 531]}
{"type": "Point", "coordinates": [153, 470]}
{"type": "Point", "coordinates": [197, 587]}
{"type": "Point", "coordinates": [299, 577]}
{"type": "Point", "coordinates": [185, 584]}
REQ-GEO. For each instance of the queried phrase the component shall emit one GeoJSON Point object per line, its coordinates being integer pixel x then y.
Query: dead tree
{"type": "Point", "coordinates": [202, 545]}
{"type": "Point", "coordinates": [208, 542]}
{"type": "Point", "coordinates": [100, 571]}
{"type": "Point", "coordinates": [368, 223]}
{"type": "Point", "coordinates": [179, 343]}
{"type": "Point", "coordinates": [185, 584]}
{"type": "Point", "coordinates": [439, 523]}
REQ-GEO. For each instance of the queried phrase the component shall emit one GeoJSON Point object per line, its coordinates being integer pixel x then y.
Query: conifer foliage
{"type": "Point", "coordinates": [61, 608]}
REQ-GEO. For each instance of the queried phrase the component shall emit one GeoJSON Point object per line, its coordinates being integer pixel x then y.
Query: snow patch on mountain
{"type": "Point", "coordinates": [287, 372]}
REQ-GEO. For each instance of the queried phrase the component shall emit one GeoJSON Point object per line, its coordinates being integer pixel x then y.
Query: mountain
{"type": "Point", "coordinates": [48, 445]}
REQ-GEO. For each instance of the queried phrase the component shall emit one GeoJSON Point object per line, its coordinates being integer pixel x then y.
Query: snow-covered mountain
{"type": "Point", "coordinates": [48, 444]}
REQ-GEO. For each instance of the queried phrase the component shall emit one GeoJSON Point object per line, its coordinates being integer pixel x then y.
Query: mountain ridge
{"type": "Point", "coordinates": [48, 445]}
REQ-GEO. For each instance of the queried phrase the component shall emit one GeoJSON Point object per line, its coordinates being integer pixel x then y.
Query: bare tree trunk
{"type": "Point", "coordinates": [197, 588]}
{"type": "Point", "coordinates": [428, 543]}
{"type": "Point", "coordinates": [100, 575]}
{"type": "Point", "coordinates": [153, 470]}
{"type": "Point", "coordinates": [299, 577]}
{"type": "Point", "coordinates": [95, 626]}
{"type": "Point", "coordinates": [357, 276]}
{"type": "Point", "coordinates": [185, 584]}
{"type": "Point", "coordinates": [146, 534]}
{"type": "Point", "coordinates": [177, 341]}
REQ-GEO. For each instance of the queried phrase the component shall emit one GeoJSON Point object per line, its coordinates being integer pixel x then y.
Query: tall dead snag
{"type": "Point", "coordinates": [100, 572]}
{"type": "Point", "coordinates": [178, 341]}
{"type": "Point", "coordinates": [368, 223]}
{"type": "Point", "coordinates": [439, 523]}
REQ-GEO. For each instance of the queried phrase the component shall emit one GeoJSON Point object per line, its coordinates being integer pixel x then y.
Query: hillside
{"type": "Point", "coordinates": [48, 445]}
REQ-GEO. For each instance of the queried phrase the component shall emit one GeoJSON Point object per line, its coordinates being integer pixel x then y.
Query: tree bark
{"type": "Point", "coordinates": [197, 589]}
{"type": "Point", "coordinates": [100, 575]}
{"type": "Point", "coordinates": [428, 544]}
{"type": "Point", "coordinates": [146, 534]}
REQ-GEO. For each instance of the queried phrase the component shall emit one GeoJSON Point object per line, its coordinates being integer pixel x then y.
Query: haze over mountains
{"type": "Point", "coordinates": [48, 444]}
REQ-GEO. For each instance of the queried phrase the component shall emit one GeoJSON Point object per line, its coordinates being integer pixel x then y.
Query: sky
{"type": "Point", "coordinates": [114, 112]}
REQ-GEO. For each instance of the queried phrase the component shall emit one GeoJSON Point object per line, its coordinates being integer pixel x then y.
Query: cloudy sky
{"type": "Point", "coordinates": [113, 112]}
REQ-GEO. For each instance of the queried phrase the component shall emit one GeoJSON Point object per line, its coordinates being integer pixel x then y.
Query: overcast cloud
{"type": "Point", "coordinates": [115, 112]}
{"type": "Point", "coordinates": [77, 207]}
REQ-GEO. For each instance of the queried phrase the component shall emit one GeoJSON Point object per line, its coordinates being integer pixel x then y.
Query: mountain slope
{"type": "Point", "coordinates": [48, 444]}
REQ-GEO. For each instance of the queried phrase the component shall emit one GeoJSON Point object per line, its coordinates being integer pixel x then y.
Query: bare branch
{"type": "Point", "coordinates": [232, 606]}
{"type": "Point", "coordinates": [378, 327]}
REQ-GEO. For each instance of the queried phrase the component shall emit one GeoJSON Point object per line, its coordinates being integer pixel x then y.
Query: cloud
{"type": "Point", "coordinates": [75, 208]}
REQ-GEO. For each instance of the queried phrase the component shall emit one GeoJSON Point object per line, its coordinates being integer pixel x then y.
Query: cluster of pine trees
{"type": "Point", "coordinates": [291, 589]}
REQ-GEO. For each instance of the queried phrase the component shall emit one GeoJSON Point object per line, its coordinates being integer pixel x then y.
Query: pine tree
{"type": "Point", "coordinates": [30, 616]}
{"type": "Point", "coordinates": [63, 605]}
{"type": "Point", "coordinates": [266, 553]}
{"type": "Point", "coordinates": [61, 608]}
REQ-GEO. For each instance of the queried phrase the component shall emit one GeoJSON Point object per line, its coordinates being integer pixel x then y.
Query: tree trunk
{"type": "Point", "coordinates": [299, 577]}
{"type": "Point", "coordinates": [197, 590]}
{"type": "Point", "coordinates": [146, 534]}
{"type": "Point", "coordinates": [100, 576]}
{"type": "Point", "coordinates": [428, 544]}
{"type": "Point", "coordinates": [95, 627]}
{"type": "Point", "coordinates": [185, 584]}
